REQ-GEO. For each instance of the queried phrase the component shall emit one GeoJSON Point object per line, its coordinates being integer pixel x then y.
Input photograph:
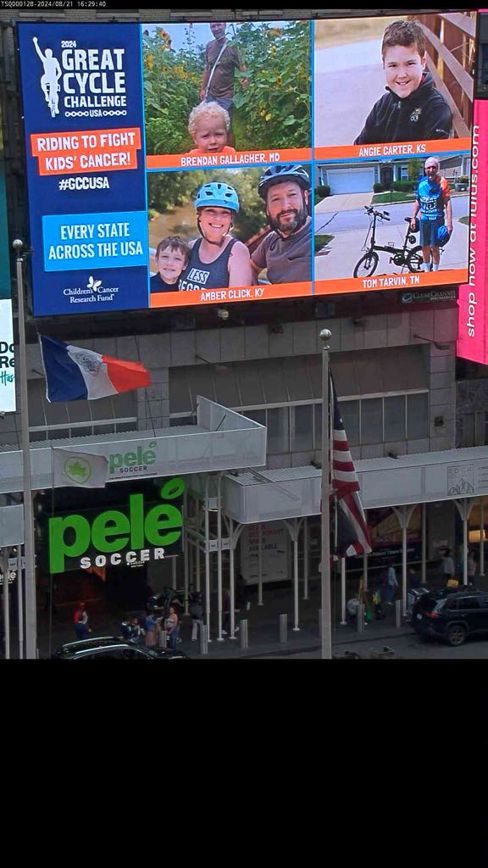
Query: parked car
{"type": "Point", "coordinates": [451, 614]}
{"type": "Point", "coordinates": [112, 648]}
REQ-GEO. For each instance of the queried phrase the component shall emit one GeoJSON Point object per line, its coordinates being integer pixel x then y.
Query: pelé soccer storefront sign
{"type": "Point", "coordinates": [135, 533]}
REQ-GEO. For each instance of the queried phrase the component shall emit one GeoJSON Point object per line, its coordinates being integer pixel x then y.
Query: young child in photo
{"type": "Point", "coordinates": [412, 109]}
{"type": "Point", "coordinates": [209, 126]}
{"type": "Point", "coordinates": [172, 255]}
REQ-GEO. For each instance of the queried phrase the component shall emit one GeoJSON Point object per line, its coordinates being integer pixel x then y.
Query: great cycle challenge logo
{"type": "Point", "coordinates": [83, 82]}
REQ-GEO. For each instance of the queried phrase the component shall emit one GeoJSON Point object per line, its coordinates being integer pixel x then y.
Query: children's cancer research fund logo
{"type": "Point", "coordinates": [82, 82]}
{"type": "Point", "coordinates": [415, 116]}
{"type": "Point", "coordinates": [93, 291]}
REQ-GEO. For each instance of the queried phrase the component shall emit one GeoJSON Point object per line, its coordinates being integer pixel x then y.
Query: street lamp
{"type": "Point", "coordinates": [326, 620]}
{"type": "Point", "coordinates": [29, 552]}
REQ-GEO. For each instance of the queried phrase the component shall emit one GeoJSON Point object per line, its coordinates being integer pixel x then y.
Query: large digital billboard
{"type": "Point", "coordinates": [7, 369]}
{"type": "Point", "coordinates": [473, 311]}
{"type": "Point", "coordinates": [186, 164]}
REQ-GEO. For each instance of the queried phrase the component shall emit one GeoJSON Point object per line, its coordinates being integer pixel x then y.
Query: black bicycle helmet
{"type": "Point", "coordinates": [277, 174]}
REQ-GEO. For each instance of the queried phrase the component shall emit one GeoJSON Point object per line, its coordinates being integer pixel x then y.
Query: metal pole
{"type": "Point", "coordinates": [305, 559]}
{"type": "Point", "coordinates": [244, 634]}
{"type": "Point", "coordinates": [482, 538]}
{"type": "Point", "coordinates": [20, 605]}
{"type": "Point", "coordinates": [360, 618]}
{"type": "Point", "coordinates": [465, 542]}
{"type": "Point", "coordinates": [295, 576]}
{"type": "Point", "coordinates": [260, 564]}
{"type": "Point", "coordinates": [29, 547]}
{"type": "Point", "coordinates": [343, 591]}
{"type": "Point", "coordinates": [207, 560]}
{"type": "Point", "coordinates": [6, 603]}
{"type": "Point", "coordinates": [398, 613]}
{"type": "Point", "coordinates": [365, 567]}
{"type": "Point", "coordinates": [326, 624]}
{"type": "Point", "coordinates": [283, 629]}
{"type": "Point", "coordinates": [232, 581]}
{"type": "Point", "coordinates": [220, 638]}
{"type": "Point", "coordinates": [203, 639]}
{"type": "Point", "coordinates": [424, 543]}
{"type": "Point", "coordinates": [197, 547]}
{"type": "Point", "coordinates": [404, 560]}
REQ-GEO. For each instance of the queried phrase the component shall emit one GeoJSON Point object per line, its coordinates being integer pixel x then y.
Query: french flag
{"type": "Point", "coordinates": [74, 374]}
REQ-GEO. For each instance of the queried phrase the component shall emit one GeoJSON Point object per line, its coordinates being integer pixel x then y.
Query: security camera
{"type": "Point", "coordinates": [223, 313]}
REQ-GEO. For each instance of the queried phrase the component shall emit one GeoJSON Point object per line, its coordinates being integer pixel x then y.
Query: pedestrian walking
{"type": "Point", "coordinates": [391, 585]}
{"type": "Point", "coordinates": [471, 567]}
{"type": "Point", "coordinates": [150, 627]}
{"type": "Point", "coordinates": [171, 626]}
{"type": "Point", "coordinates": [80, 622]}
{"type": "Point", "coordinates": [196, 612]}
{"type": "Point", "coordinates": [136, 632]}
{"type": "Point", "coordinates": [447, 565]}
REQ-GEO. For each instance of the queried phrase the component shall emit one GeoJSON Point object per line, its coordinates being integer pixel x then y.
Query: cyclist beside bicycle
{"type": "Point", "coordinates": [433, 204]}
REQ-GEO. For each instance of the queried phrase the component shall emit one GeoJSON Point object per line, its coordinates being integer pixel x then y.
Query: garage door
{"type": "Point", "coordinates": [350, 180]}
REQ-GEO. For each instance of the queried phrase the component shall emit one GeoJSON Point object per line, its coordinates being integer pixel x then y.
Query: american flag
{"type": "Point", "coordinates": [352, 531]}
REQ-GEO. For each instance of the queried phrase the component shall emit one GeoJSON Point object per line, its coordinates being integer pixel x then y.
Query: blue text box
{"type": "Point", "coordinates": [79, 241]}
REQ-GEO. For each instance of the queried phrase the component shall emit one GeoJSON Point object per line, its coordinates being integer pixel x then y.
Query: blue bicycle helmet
{"type": "Point", "coordinates": [443, 236]}
{"type": "Point", "coordinates": [220, 195]}
{"type": "Point", "coordinates": [278, 174]}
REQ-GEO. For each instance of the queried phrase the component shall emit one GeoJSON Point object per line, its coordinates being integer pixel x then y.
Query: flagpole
{"type": "Point", "coordinates": [29, 550]}
{"type": "Point", "coordinates": [326, 625]}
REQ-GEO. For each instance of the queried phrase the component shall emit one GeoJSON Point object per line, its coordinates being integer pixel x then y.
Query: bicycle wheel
{"type": "Point", "coordinates": [367, 265]}
{"type": "Point", "coordinates": [415, 259]}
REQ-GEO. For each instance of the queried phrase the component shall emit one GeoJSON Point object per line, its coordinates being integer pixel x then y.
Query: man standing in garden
{"type": "Point", "coordinates": [221, 61]}
{"type": "Point", "coordinates": [286, 251]}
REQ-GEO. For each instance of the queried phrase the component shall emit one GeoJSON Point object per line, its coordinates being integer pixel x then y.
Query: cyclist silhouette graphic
{"type": "Point", "coordinates": [50, 78]}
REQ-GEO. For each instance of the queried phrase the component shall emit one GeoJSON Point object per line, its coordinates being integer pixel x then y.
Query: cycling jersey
{"type": "Point", "coordinates": [207, 275]}
{"type": "Point", "coordinates": [433, 197]}
{"type": "Point", "coordinates": [424, 114]}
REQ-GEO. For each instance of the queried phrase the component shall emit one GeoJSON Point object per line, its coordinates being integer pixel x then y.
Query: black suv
{"type": "Point", "coordinates": [111, 648]}
{"type": "Point", "coordinates": [451, 614]}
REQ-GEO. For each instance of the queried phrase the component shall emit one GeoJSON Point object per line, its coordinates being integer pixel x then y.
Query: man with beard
{"type": "Point", "coordinates": [286, 251]}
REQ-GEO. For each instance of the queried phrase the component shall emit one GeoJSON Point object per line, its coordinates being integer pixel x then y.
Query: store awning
{"type": "Point", "coordinates": [221, 440]}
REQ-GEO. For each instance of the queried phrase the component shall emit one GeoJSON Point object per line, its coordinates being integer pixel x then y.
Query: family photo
{"type": "Point", "coordinates": [224, 87]}
{"type": "Point", "coordinates": [391, 216]}
{"type": "Point", "coordinates": [386, 80]}
{"type": "Point", "coordinates": [233, 227]}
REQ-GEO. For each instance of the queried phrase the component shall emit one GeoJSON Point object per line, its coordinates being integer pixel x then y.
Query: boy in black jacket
{"type": "Point", "coordinates": [412, 109]}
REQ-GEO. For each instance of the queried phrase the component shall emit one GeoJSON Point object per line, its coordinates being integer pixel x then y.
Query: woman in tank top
{"type": "Point", "coordinates": [217, 260]}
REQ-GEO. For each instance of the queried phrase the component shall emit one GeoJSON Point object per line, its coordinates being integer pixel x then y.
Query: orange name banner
{"type": "Point", "coordinates": [86, 151]}
{"type": "Point", "coordinates": [390, 281]}
{"type": "Point", "coordinates": [241, 158]}
{"type": "Point", "coordinates": [261, 292]}
{"type": "Point", "coordinates": [399, 149]}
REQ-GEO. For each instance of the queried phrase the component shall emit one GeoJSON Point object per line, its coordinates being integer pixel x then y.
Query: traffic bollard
{"type": "Point", "coordinates": [203, 639]}
{"type": "Point", "coordinates": [283, 629]}
{"type": "Point", "coordinates": [163, 639]}
{"type": "Point", "coordinates": [398, 613]}
{"type": "Point", "coordinates": [243, 634]}
{"type": "Point", "coordinates": [360, 618]}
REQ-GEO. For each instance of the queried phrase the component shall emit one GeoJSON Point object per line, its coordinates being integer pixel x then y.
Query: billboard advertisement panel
{"type": "Point", "coordinates": [472, 341]}
{"type": "Point", "coordinates": [188, 164]}
{"type": "Point", "coordinates": [7, 369]}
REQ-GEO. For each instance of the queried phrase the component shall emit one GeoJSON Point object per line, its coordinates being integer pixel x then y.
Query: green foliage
{"type": "Point", "coordinates": [403, 186]}
{"type": "Point", "coordinates": [275, 107]}
{"type": "Point", "coordinates": [172, 81]}
{"type": "Point", "coordinates": [273, 111]}
{"type": "Point", "coordinates": [415, 170]}
{"type": "Point", "coordinates": [378, 188]}
{"type": "Point", "coordinates": [322, 191]}
{"type": "Point", "coordinates": [321, 241]}
{"type": "Point", "coordinates": [172, 189]}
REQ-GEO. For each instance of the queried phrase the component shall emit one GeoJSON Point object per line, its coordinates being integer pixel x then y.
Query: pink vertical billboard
{"type": "Point", "coordinates": [472, 341]}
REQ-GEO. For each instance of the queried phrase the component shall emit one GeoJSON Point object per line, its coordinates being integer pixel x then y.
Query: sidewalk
{"type": "Point", "coordinates": [263, 625]}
